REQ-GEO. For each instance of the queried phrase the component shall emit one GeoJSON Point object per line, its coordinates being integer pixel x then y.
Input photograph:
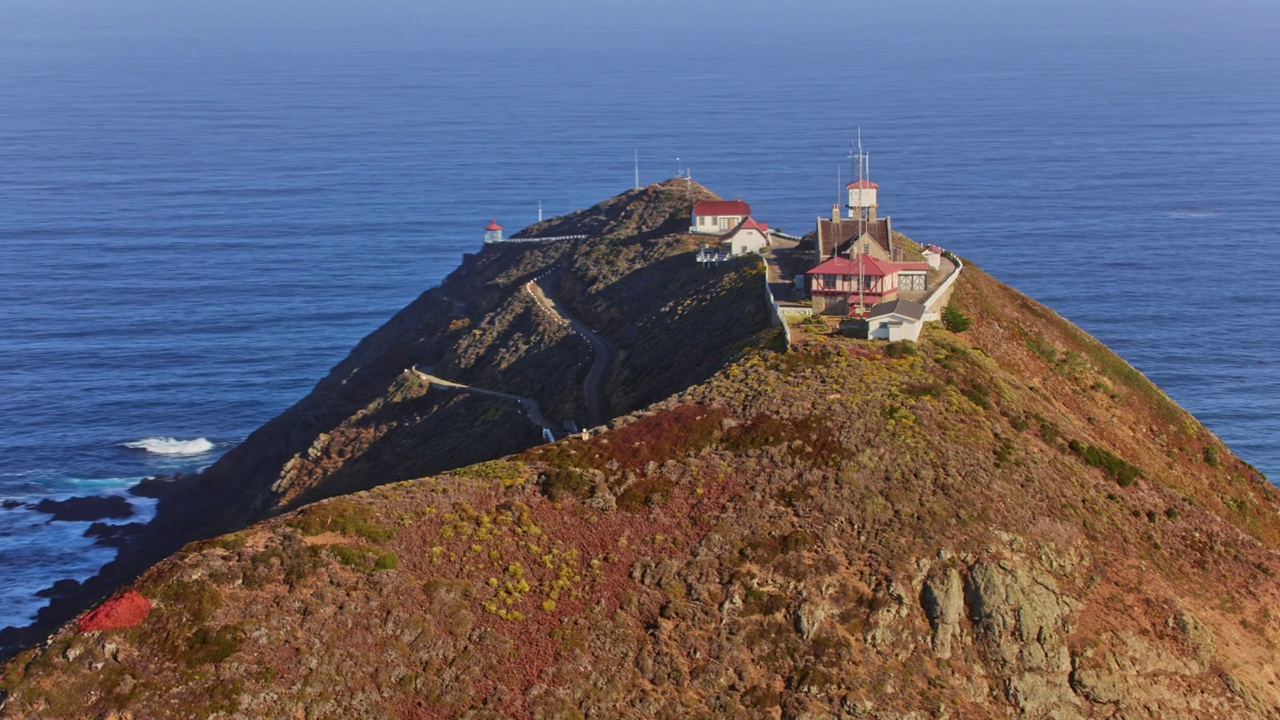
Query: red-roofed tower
{"type": "Point", "coordinates": [493, 232]}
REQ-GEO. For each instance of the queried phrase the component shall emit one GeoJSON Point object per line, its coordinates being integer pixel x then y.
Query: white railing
{"type": "Point", "coordinates": [544, 239]}
{"type": "Point", "coordinates": [777, 318]}
{"type": "Point", "coordinates": [707, 256]}
{"type": "Point", "coordinates": [942, 292]}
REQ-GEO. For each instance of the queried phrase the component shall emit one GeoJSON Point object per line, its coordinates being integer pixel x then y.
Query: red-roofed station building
{"type": "Point", "coordinates": [718, 216]}
{"type": "Point", "coordinates": [834, 284]}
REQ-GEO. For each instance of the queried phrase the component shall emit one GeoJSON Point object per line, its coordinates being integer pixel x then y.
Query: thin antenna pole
{"type": "Point", "coordinates": [637, 169]}
{"type": "Point", "coordinates": [839, 185]}
{"type": "Point", "coordinates": [862, 230]}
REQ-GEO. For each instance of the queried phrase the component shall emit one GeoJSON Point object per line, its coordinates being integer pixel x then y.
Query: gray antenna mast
{"type": "Point", "coordinates": [862, 230]}
{"type": "Point", "coordinates": [637, 169]}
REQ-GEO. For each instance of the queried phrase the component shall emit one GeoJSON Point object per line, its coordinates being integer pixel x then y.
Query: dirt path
{"type": "Point", "coordinates": [605, 353]}
{"type": "Point", "coordinates": [530, 405]}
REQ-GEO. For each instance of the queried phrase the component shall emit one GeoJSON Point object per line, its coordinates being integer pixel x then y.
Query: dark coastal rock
{"type": "Point", "coordinates": [59, 589]}
{"type": "Point", "coordinates": [109, 535]}
{"type": "Point", "coordinates": [86, 509]}
{"type": "Point", "coordinates": [155, 487]}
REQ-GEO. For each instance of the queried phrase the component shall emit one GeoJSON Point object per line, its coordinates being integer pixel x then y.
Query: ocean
{"type": "Point", "coordinates": [197, 221]}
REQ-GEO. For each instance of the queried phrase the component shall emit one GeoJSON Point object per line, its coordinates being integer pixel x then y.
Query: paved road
{"type": "Point", "coordinates": [530, 405]}
{"type": "Point", "coordinates": [605, 353]}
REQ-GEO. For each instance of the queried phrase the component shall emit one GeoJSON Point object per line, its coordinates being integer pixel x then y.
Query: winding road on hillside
{"type": "Point", "coordinates": [530, 405]}
{"type": "Point", "coordinates": [605, 353]}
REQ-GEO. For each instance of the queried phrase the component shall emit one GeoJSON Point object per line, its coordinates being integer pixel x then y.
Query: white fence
{"type": "Point", "coordinates": [933, 304]}
{"type": "Point", "coordinates": [778, 318]}
{"type": "Point", "coordinates": [544, 239]}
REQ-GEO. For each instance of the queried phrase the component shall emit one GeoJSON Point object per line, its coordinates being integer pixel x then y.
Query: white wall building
{"type": "Point", "coordinates": [897, 320]}
{"type": "Point", "coordinates": [862, 199]}
{"type": "Point", "coordinates": [748, 237]}
{"type": "Point", "coordinates": [718, 216]}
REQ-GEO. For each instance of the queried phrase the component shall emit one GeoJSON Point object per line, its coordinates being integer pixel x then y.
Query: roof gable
{"type": "Point", "coordinates": [837, 235]}
{"type": "Point", "coordinates": [861, 265]}
{"type": "Point", "coordinates": [901, 308]}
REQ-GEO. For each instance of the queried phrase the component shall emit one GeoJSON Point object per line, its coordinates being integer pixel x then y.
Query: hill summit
{"type": "Point", "coordinates": [1006, 522]}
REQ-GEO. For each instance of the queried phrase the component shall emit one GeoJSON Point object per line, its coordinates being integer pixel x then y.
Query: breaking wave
{"type": "Point", "coordinates": [171, 446]}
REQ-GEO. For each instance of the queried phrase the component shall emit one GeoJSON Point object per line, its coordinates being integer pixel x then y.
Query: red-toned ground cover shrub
{"type": "Point", "coordinates": [125, 611]}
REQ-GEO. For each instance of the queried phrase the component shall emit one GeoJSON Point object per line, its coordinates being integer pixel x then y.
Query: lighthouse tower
{"type": "Point", "coordinates": [493, 233]}
{"type": "Point", "coordinates": [862, 199]}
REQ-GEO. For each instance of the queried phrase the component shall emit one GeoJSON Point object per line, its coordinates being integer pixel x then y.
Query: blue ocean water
{"type": "Point", "coordinates": [197, 222]}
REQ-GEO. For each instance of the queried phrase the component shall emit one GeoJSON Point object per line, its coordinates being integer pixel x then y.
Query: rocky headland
{"type": "Point", "coordinates": [1006, 522]}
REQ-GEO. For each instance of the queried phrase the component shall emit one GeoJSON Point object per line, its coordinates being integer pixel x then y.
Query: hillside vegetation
{"type": "Point", "coordinates": [372, 421]}
{"type": "Point", "coordinates": [1011, 522]}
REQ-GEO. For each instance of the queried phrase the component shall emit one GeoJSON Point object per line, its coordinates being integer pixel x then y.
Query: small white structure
{"type": "Point", "coordinates": [862, 199]}
{"type": "Point", "coordinates": [493, 233]}
{"type": "Point", "coordinates": [748, 237]}
{"type": "Point", "coordinates": [933, 256]}
{"type": "Point", "coordinates": [896, 320]}
{"type": "Point", "coordinates": [718, 216]}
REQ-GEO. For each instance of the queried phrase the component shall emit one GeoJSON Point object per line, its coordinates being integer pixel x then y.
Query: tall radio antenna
{"type": "Point", "coordinates": [637, 170]}
{"type": "Point", "coordinates": [862, 229]}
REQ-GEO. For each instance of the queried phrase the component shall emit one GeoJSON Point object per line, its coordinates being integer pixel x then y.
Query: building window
{"type": "Point", "coordinates": [828, 282]}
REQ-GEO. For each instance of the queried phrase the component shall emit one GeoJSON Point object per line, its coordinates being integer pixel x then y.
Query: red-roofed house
{"type": "Point", "coordinates": [718, 216]}
{"type": "Point", "coordinates": [834, 286]}
{"type": "Point", "coordinates": [749, 236]}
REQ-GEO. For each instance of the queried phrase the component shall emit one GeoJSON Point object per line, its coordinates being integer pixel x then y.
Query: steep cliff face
{"type": "Point", "coordinates": [483, 328]}
{"type": "Point", "coordinates": [1008, 523]}
{"type": "Point", "coordinates": [373, 420]}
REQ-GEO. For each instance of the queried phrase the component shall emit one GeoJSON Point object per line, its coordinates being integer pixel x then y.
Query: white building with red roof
{"type": "Point", "coordinates": [748, 237]}
{"type": "Point", "coordinates": [863, 199]}
{"type": "Point", "coordinates": [933, 256]}
{"type": "Point", "coordinates": [718, 216]}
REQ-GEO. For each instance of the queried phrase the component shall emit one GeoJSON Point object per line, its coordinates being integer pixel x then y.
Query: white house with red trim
{"type": "Point", "coordinates": [748, 237]}
{"type": "Point", "coordinates": [718, 216]}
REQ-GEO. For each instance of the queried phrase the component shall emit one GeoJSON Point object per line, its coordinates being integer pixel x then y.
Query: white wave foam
{"type": "Point", "coordinates": [171, 446]}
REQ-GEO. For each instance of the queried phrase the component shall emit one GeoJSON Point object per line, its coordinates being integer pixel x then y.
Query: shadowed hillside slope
{"type": "Point", "coordinates": [372, 420]}
{"type": "Point", "coordinates": [1008, 523]}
